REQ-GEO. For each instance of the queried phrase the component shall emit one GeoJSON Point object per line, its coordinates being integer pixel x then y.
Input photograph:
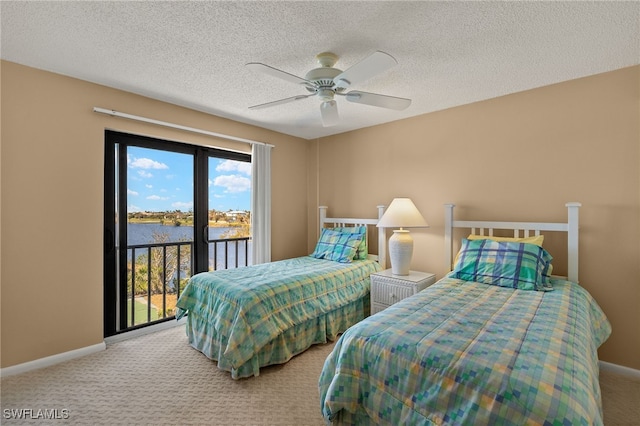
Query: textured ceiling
{"type": "Point", "coordinates": [194, 53]}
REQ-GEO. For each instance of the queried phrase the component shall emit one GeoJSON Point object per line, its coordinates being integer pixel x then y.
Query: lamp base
{"type": "Point", "coordinates": [400, 251]}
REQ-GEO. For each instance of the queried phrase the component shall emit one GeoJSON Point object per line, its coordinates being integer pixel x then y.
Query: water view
{"type": "Point", "coordinates": [143, 233]}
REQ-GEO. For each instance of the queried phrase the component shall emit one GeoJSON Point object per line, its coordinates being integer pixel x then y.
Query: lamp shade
{"type": "Point", "coordinates": [402, 213]}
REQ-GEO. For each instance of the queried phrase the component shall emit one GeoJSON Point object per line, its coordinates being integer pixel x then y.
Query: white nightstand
{"type": "Point", "coordinates": [387, 289]}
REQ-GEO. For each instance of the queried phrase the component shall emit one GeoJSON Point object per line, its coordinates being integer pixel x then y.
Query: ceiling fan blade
{"type": "Point", "coordinates": [281, 101]}
{"type": "Point", "coordinates": [274, 72]}
{"type": "Point", "coordinates": [329, 112]}
{"type": "Point", "coordinates": [375, 99]}
{"type": "Point", "coordinates": [370, 66]}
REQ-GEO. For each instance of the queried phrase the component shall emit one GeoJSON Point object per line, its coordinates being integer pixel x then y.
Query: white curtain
{"type": "Point", "coordinates": [261, 203]}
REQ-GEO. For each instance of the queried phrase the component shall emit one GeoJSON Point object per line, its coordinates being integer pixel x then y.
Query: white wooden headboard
{"type": "Point", "coordinates": [527, 228]}
{"type": "Point", "coordinates": [333, 222]}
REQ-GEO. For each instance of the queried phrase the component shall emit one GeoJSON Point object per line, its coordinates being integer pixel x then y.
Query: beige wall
{"type": "Point", "coordinates": [52, 206]}
{"type": "Point", "coordinates": [517, 157]}
{"type": "Point", "coordinates": [512, 158]}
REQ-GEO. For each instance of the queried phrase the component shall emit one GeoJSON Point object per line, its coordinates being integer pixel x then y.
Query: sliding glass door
{"type": "Point", "coordinates": [157, 216]}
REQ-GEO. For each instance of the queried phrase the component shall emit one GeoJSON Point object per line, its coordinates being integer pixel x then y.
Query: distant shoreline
{"type": "Point", "coordinates": [219, 224]}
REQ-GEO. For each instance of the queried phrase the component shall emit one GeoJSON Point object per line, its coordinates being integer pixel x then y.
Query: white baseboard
{"type": "Point", "coordinates": [77, 353]}
{"type": "Point", "coordinates": [51, 360]}
{"type": "Point", "coordinates": [619, 369]}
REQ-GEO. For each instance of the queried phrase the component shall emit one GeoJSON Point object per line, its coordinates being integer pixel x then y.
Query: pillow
{"type": "Point", "coordinates": [362, 252]}
{"type": "Point", "coordinates": [505, 264]}
{"type": "Point", "coordinates": [546, 276]}
{"type": "Point", "coordinates": [337, 246]}
{"type": "Point", "coordinates": [537, 240]}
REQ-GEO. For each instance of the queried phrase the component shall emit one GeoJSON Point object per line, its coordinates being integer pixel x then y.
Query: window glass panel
{"type": "Point", "coordinates": [229, 213]}
{"type": "Point", "coordinates": [159, 230]}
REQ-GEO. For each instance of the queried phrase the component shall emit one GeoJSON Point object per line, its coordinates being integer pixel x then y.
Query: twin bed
{"type": "Point", "coordinates": [499, 340]}
{"type": "Point", "coordinates": [251, 317]}
{"type": "Point", "coordinates": [496, 341]}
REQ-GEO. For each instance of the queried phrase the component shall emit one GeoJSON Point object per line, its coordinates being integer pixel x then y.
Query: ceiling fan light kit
{"type": "Point", "coordinates": [327, 81]}
{"type": "Point", "coordinates": [329, 111]}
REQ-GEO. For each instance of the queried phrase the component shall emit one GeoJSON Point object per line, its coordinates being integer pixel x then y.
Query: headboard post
{"type": "Point", "coordinates": [572, 240]}
{"type": "Point", "coordinates": [323, 218]}
{"type": "Point", "coordinates": [382, 241]}
{"type": "Point", "coordinates": [448, 238]}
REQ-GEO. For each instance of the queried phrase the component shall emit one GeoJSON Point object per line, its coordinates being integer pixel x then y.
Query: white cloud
{"type": "Point", "coordinates": [234, 166]}
{"type": "Point", "coordinates": [131, 192]}
{"type": "Point", "coordinates": [157, 197]}
{"type": "Point", "coordinates": [144, 174]}
{"type": "Point", "coordinates": [182, 205]}
{"type": "Point", "coordinates": [148, 186]}
{"type": "Point", "coordinates": [132, 209]}
{"type": "Point", "coordinates": [146, 163]}
{"type": "Point", "coordinates": [233, 183]}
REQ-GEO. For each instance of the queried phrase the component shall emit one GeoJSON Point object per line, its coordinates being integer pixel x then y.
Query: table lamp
{"type": "Point", "coordinates": [402, 213]}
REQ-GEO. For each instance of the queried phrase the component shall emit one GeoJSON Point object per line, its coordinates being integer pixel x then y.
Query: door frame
{"type": "Point", "coordinates": [115, 217]}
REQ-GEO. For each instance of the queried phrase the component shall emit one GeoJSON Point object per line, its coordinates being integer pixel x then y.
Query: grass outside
{"type": "Point", "coordinates": [156, 308]}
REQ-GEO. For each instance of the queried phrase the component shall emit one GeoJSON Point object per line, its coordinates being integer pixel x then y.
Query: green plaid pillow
{"type": "Point", "coordinates": [362, 252]}
{"type": "Point", "coordinates": [337, 246]}
{"type": "Point", "coordinates": [505, 264]}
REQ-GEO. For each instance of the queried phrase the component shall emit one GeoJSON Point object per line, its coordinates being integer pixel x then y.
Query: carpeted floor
{"type": "Point", "coordinates": [620, 399]}
{"type": "Point", "coordinates": [158, 379]}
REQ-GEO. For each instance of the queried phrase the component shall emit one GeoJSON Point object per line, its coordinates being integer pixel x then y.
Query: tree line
{"type": "Point", "coordinates": [178, 217]}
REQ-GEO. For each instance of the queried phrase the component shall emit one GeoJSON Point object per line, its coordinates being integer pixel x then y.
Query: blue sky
{"type": "Point", "coordinates": [162, 180]}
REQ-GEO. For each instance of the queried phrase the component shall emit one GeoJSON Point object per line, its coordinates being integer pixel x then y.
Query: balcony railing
{"type": "Point", "coordinates": [240, 254]}
{"type": "Point", "coordinates": [163, 269]}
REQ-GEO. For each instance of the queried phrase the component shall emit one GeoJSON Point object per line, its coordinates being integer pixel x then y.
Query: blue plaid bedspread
{"type": "Point", "coordinates": [248, 307]}
{"type": "Point", "coordinates": [465, 353]}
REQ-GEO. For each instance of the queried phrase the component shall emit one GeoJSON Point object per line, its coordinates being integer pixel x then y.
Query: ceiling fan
{"type": "Point", "coordinates": [326, 82]}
